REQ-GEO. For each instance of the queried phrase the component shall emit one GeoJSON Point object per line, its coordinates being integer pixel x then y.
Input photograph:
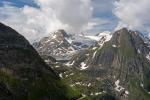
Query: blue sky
{"type": "Point", "coordinates": [19, 3]}
{"type": "Point", "coordinates": [106, 7]}
{"type": "Point", "coordinates": [37, 18]}
{"type": "Point", "coordinates": [102, 9]}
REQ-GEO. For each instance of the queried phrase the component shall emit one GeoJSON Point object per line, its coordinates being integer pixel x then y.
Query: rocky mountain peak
{"type": "Point", "coordinates": [128, 38]}
{"type": "Point", "coordinates": [61, 33]}
{"type": "Point", "coordinates": [124, 60]}
{"type": "Point", "coordinates": [56, 45]}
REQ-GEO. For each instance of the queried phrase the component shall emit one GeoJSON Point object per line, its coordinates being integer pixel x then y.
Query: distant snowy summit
{"type": "Point", "coordinates": [61, 45]}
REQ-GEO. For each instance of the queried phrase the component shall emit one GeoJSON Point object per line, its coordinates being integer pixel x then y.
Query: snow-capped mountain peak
{"type": "Point", "coordinates": [56, 45]}
{"type": "Point", "coordinates": [104, 37]}
{"type": "Point", "coordinates": [60, 44]}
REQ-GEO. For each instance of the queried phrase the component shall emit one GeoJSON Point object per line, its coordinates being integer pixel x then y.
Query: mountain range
{"type": "Point", "coordinates": [107, 66]}
{"type": "Point", "coordinates": [62, 46]}
{"type": "Point", "coordinates": [115, 66]}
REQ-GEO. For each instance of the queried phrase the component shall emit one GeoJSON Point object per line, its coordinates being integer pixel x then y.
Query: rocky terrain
{"type": "Point", "coordinates": [62, 45]}
{"type": "Point", "coordinates": [24, 75]}
{"type": "Point", "coordinates": [115, 69]}
{"type": "Point", "coordinates": [123, 63]}
{"type": "Point", "coordinates": [55, 45]}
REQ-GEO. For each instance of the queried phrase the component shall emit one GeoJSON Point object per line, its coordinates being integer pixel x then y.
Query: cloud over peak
{"type": "Point", "coordinates": [50, 15]}
{"type": "Point", "coordinates": [75, 16]}
{"type": "Point", "coordinates": [133, 14]}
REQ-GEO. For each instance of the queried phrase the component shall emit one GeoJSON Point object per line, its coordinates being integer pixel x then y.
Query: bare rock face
{"type": "Point", "coordinates": [55, 45]}
{"type": "Point", "coordinates": [23, 74]}
{"type": "Point", "coordinates": [124, 62]}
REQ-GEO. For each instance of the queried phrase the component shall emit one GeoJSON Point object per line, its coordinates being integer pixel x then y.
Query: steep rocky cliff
{"type": "Point", "coordinates": [122, 64]}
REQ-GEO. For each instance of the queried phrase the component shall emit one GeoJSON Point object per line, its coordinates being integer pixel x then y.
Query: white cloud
{"type": "Point", "coordinates": [133, 14]}
{"type": "Point", "coordinates": [33, 22]}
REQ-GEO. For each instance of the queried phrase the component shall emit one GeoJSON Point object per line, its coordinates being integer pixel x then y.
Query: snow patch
{"type": "Point", "coordinates": [87, 54]}
{"type": "Point", "coordinates": [57, 66]}
{"type": "Point", "coordinates": [94, 48]}
{"type": "Point", "coordinates": [148, 56]}
{"type": "Point", "coordinates": [71, 74]}
{"type": "Point", "coordinates": [126, 92]}
{"type": "Point", "coordinates": [67, 75]}
{"type": "Point", "coordinates": [94, 54]}
{"type": "Point", "coordinates": [104, 37]}
{"type": "Point", "coordinates": [83, 95]}
{"type": "Point", "coordinates": [89, 84]}
{"type": "Point", "coordinates": [96, 38]}
{"type": "Point", "coordinates": [83, 84]}
{"type": "Point", "coordinates": [69, 40]}
{"type": "Point", "coordinates": [114, 46]}
{"type": "Point", "coordinates": [72, 85]}
{"type": "Point", "coordinates": [98, 93]}
{"type": "Point", "coordinates": [70, 64]}
{"type": "Point", "coordinates": [107, 35]}
{"type": "Point", "coordinates": [78, 83]}
{"type": "Point", "coordinates": [141, 85]}
{"type": "Point", "coordinates": [92, 94]}
{"type": "Point", "coordinates": [80, 41]}
{"type": "Point", "coordinates": [83, 66]}
{"type": "Point", "coordinates": [60, 75]}
{"type": "Point", "coordinates": [52, 42]}
{"type": "Point", "coordinates": [139, 51]}
{"type": "Point", "coordinates": [54, 36]}
{"type": "Point", "coordinates": [114, 76]}
{"type": "Point", "coordinates": [118, 87]}
{"type": "Point", "coordinates": [47, 61]}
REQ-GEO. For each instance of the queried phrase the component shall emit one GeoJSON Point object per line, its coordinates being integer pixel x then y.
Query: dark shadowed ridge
{"type": "Point", "coordinates": [24, 75]}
